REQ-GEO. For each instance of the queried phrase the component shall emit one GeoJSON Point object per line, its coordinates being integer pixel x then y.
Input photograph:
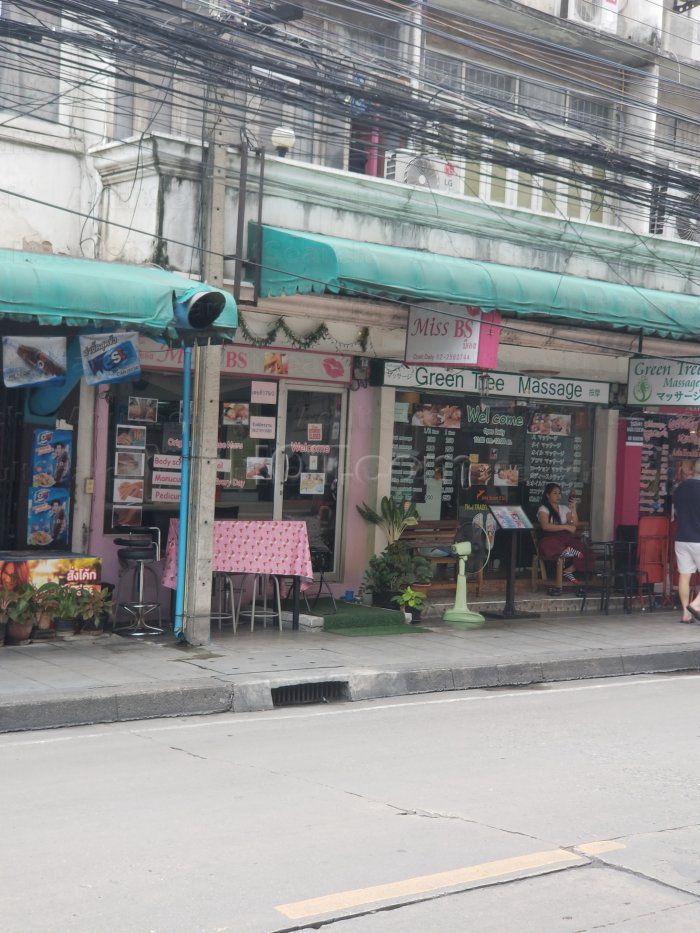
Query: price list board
{"type": "Point", "coordinates": [553, 459]}
{"type": "Point", "coordinates": [653, 487]}
{"type": "Point", "coordinates": [423, 456]}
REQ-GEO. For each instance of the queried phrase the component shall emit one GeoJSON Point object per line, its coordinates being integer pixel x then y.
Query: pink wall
{"type": "Point", "coordinates": [358, 477]}
{"type": "Point", "coordinates": [629, 468]}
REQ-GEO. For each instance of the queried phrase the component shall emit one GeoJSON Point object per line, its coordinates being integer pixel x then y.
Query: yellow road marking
{"type": "Point", "coordinates": [599, 847]}
{"type": "Point", "coordinates": [424, 884]}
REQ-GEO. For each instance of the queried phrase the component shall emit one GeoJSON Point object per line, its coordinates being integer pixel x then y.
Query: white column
{"type": "Point", "coordinates": [84, 467]}
{"type": "Point", "coordinates": [200, 538]}
{"type": "Point", "coordinates": [383, 452]}
{"type": "Point", "coordinates": [604, 474]}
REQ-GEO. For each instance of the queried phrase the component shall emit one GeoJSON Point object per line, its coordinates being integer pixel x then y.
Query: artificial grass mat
{"type": "Point", "coordinates": [354, 619]}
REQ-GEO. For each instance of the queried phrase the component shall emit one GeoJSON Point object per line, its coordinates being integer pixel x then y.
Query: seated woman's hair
{"type": "Point", "coordinates": [554, 516]}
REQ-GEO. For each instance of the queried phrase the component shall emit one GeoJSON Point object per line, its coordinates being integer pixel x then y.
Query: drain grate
{"type": "Point", "coordinates": [330, 691]}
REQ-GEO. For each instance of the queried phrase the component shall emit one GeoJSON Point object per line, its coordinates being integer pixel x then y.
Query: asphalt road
{"type": "Point", "coordinates": [559, 807]}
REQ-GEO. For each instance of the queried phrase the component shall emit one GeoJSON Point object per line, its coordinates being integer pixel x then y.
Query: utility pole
{"type": "Point", "coordinates": [205, 402]}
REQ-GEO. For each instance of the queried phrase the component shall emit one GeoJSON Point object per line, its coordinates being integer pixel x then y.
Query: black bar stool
{"type": "Point", "coordinates": [137, 553]}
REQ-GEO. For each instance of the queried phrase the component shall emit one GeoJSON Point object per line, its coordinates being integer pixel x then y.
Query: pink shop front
{"type": "Point", "coordinates": [294, 430]}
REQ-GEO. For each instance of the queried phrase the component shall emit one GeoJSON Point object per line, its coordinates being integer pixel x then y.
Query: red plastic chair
{"type": "Point", "coordinates": [653, 534]}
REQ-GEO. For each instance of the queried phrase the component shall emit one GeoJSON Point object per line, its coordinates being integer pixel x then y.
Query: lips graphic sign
{"type": "Point", "coordinates": [272, 363]}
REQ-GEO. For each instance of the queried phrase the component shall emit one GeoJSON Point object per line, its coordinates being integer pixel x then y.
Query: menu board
{"type": "Point", "coordinates": [671, 445]}
{"type": "Point", "coordinates": [653, 487]}
{"type": "Point", "coordinates": [553, 453]}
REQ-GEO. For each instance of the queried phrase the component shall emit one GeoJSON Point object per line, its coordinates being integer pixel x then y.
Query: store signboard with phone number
{"type": "Point", "coordinates": [270, 362]}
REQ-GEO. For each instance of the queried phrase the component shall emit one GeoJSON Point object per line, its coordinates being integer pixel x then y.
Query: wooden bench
{"type": "Point", "coordinates": [428, 535]}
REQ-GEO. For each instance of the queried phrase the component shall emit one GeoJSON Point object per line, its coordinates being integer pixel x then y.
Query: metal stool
{"type": "Point", "coordinates": [136, 553]}
{"type": "Point", "coordinates": [263, 579]}
{"type": "Point", "coordinates": [223, 598]}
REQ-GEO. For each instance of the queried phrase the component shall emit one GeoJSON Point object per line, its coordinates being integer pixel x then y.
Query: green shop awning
{"type": "Point", "coordinates": [302, 263]}
{"type": "Point", "coordinates": [60, 291]}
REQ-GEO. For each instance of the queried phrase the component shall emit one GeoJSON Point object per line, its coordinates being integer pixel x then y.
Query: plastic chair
{"type": "Point", "coordinates": [652, 553]}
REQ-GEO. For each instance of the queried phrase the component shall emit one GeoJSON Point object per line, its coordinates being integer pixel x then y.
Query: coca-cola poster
{"type": "Point", "coordinates": [29, 361]}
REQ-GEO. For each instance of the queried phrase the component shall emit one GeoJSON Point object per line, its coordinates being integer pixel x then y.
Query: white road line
{"type": "Point", "coordinates": [246, 719]}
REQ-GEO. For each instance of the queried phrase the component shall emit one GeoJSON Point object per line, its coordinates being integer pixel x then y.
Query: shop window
{"type": "Point", "coordinates": [145, 441]}
{"type": "Point", "coordinates": [453, 453]}
{"type": "Point", "coordinates": [30, 69]}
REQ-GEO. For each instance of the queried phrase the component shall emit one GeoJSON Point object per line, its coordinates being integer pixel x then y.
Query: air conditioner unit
{"type": "Point", "coordinates": [424, 171]}
{"type": "Point", "coordinates": [598, 14]}
{"type": "Point", "coordinates": [677, 211]}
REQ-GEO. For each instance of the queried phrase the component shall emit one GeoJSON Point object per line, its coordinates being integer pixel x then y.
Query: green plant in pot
{"type": "Point", "coordinates": [411, 601]}
{"type": "Point", "coordinates": [389, 572]}
{"type": "Point", "coordinates": [393, 517]}
{"type": "Point", "coordinates": [48, 598]}
{"type": "Point", "coordinates": [21, 615]}
{"type": "Point", "coordinates": [67, 614]}
{"type": "Point", "coordinates": [94, 605]}
{"type": "Point", "coordinates": [8, 595]}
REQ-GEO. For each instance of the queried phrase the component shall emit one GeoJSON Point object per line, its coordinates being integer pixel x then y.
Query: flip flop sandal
{"type": "Point", "coordinates": [686, 621]}
{"type": "Point", "coordinates": [695, 613]}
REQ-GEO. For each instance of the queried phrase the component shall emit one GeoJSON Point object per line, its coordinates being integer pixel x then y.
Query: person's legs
{"type": "Point", "coordinates": [687, 563]}
{"type": "Point", "coordinates": [684, 595]}
{"type": "Point", "coordinates": [572, 562]}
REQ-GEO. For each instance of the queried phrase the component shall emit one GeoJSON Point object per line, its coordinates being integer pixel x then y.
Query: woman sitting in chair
{"type": "Point", "coordinates": [558, 539]}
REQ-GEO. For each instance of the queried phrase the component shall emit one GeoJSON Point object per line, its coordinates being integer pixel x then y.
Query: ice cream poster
{"type": "Point", "coordinates": [52, 457]}
{"type": "Point", "coordinates": [28, 361]}
{"type": "Point", "coordinates": [110, 357]}
{"type": "Point", "coordinates": [48, 517]}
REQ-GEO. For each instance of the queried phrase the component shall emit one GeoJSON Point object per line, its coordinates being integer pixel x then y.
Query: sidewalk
{"type": "Point", "coordinates": [106, 678]}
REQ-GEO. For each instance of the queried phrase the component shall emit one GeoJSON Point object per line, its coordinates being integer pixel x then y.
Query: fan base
{"type": "Point", "coordinates": [464, 617]}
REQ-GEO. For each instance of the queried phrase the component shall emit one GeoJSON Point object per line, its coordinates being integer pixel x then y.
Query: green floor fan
{"type": "Point", "coordinates": [479, 549]}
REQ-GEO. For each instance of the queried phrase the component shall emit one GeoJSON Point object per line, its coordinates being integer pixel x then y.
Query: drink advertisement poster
{"type": "Point", "coordinates": [52, 458]}
{"type": "Point", "coordinates": [110, 357]}
{"type": "Point", "coordinates": [29, 361]}
{"type": "Point", "coordinates": [48, 517]}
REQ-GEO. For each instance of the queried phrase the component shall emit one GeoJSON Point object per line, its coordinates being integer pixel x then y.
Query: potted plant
{"type": "Point", "coordinates": [8, 595]}
{"type": "Point", "coordinates": [67, 617]}
{"type": "Point", "coordinates": [411, 601]}
{"type": "Point", "coordinates": [21, 615]}
{"type": "Point", "coordinates": [393, 517]}
{"type": "Point", "coordinates": [387, 573]}
{"type": "Point", "coordinates": [94, 604]}
{"type": "Point", "coordinates": [48, 598]}
{"type": "Point", "coordinates": [392, 570]}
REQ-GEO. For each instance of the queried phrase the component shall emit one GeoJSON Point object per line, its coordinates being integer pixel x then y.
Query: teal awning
{"type": "Point", "coordinates": [57, 290]}
{"type": "Point", "coordinates": [302, 263]}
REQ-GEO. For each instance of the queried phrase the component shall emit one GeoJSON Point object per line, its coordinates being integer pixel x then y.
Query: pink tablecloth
{"type": "Point", "coordinates": [280, 548]}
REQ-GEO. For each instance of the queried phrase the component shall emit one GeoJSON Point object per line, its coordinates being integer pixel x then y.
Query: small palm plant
{"type": "Point", "coordinates": [393, 517]}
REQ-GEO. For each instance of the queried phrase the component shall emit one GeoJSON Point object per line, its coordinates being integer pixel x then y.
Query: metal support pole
{"type": "Point", "coordinates": [240, 222]}
{"type": "Point", "coordinates": [181, 583]}
{"type": "Point", "coordinates": [202, 497]}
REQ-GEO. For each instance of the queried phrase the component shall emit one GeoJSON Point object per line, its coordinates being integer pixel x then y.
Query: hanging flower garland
{"type": "Point", "coordinates": [280, 327]}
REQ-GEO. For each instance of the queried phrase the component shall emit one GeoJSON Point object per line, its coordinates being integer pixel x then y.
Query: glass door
{"type": "Point", "coordinates": [310, 464]}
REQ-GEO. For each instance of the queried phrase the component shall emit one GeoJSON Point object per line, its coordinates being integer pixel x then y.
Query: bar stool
{"type": "Point", "coordinates": [137, 553]}
{"type": "Point", "coordinates": [224, 599]}
{"type": "Point", "coordinates": [262, 581]}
